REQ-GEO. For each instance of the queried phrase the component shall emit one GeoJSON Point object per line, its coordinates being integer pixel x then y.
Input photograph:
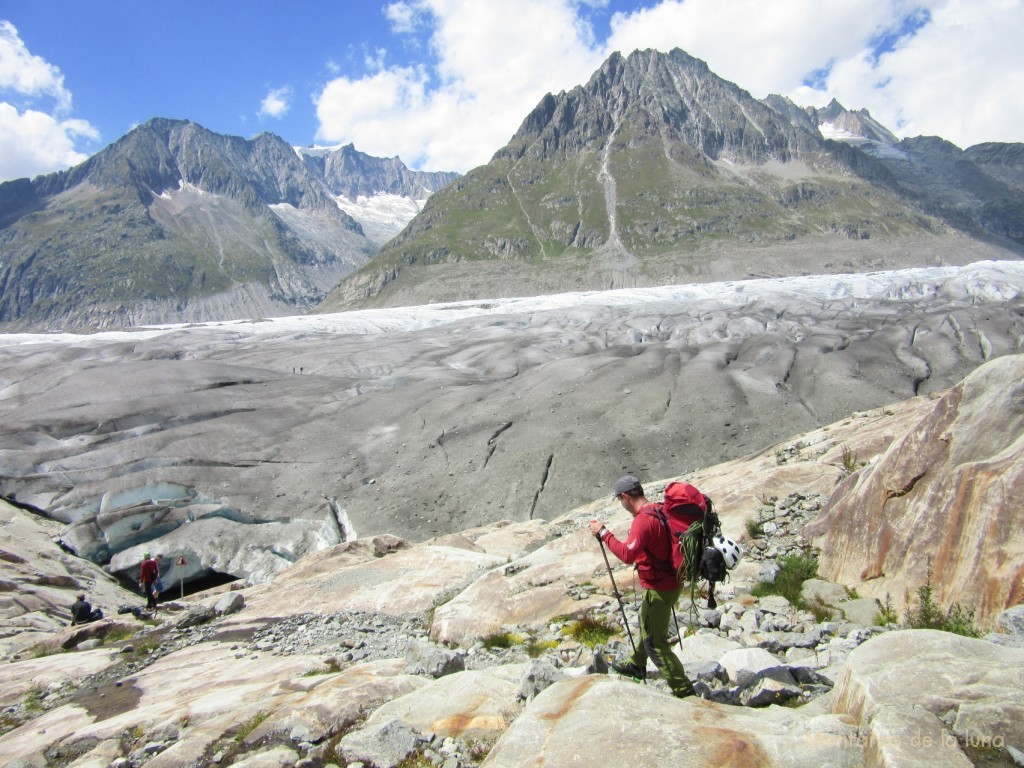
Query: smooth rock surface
{"type": "Point", "coordinates": [975, 686]}
{"type": "Point", "coordinates": [650, 728]}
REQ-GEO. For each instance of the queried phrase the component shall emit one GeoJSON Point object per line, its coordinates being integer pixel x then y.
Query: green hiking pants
{"type": "Point", "coordinates": [655, 614]}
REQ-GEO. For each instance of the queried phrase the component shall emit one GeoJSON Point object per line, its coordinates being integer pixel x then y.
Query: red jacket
{"type": "Point", "coordinates": [649, 546]}
{"type": "Point", "coordinates": [149, 571]}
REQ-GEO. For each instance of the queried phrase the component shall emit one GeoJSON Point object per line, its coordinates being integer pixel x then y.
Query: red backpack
{"type": "Point", "coordinates": [683, 506]}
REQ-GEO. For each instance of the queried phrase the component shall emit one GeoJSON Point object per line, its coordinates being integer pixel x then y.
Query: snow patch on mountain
{"type": "Point", "coordinates": [872, 147]}
{"type": "Point", "coordinates": [382, 216]}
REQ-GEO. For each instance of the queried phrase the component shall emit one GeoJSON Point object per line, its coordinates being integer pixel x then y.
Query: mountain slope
{"type": "Point", "coordinates": [656, 171]}
{"type": "Point", "coordinates": [175, 222]}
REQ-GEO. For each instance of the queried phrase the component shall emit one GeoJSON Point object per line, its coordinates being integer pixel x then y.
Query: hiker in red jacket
{"type": "Point", "coordinates": [149, 573]}
{"type": "Point", "coordinates": [649, 546]}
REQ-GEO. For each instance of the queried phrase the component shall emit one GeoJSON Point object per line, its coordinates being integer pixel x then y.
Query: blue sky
{"type": "Point", "coordinates": [445, 83]}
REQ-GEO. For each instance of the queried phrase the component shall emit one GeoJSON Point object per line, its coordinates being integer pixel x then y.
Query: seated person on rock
{"type": "Point", "coordinates": [82, 612]}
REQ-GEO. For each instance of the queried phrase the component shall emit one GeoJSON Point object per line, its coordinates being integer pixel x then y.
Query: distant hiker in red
{"type": "Point", "coordinates": [149, 573]}
{"type": "Point", "coordinates": [649, 546]}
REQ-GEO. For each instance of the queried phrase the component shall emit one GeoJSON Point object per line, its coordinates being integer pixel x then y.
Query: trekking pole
{"type": "Point", "coordinates": [615, 589]}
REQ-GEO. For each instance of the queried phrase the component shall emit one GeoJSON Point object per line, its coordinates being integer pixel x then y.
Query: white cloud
{"type": "Point", "coordinates": [758, 44]}
{"type": "Point", "coordinates": [960, 77]}
{"type": "Point", "coordinates": [404, 17]}
{"type": "Point", "coordinates": [494, 62]}
{"type": "Point", "coordinates": [33, 142]}
{"type": "Point", "coordinates": [26, 74]}
{"type": "Point", "coordinates": [276, 103]}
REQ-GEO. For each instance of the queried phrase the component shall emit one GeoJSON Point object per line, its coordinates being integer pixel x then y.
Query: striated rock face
{"type": "Point", "coordinates": [946, 495]}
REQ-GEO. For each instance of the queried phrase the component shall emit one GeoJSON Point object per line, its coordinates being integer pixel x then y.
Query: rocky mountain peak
{"type": "Point", "coordinates": [352, 174]}
{"type": "Point", "coordinates": [651, 95]}
{"type": "Point", "coordinates": [837, 122]}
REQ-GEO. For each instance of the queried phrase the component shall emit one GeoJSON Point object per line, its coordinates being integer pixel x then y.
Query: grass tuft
{"type": "Point", "coordinates": [589, 631]}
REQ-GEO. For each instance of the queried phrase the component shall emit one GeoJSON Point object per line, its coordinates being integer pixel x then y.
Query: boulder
{"type": "Point", "coordinates": [768, 690]}
{"type": "Point", "coordinates": [862, 611]}
{"type": "Point", "coordinates": [746, 665]}
{"type": "Point", "coordinates": [473, 705]}
{"type": "Point", "coordinates": [598, 720]}
{"type": "Point", "coordinates": [232, 602]}
{"type": "Point", "coordinates": [423, 658]}
{"type": "Point", "coordinates": [405, 581]}
{"type": "Point", "coordinates": [914, 738]}
{"type": "Point", "coordinates": [199, 614]}
{"type": "Point", "coordinates": [825, 592]}
{"type": "Point", "coordinates": [382, 744]}
{"type": "Point", "coordinates": [924, 683]}
{"type": "Point", "coordinates": [933, 500]}
{"type": "Point", "coordinates": [1011, 621]}
{"type": "Point", "coordinates": [275, 757]}
{"type": "Point", "coordinates": [538, 675]}
{"type": "Point", "coordinates": [503, 539]}
{"type": "Point", "coordinates": [704, 646]}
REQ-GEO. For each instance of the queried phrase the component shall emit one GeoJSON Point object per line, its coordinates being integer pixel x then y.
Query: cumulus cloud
{"type": "Point", "coordinates": [26, 74]}
{"type": "Point", "coordinates": [492, 62]}
{"type": "Point", "coordinates": [276, 103]}
{"type": "Point", "coordinates": [34, 142]}
{"type": "Point", "coordinates": [960, 76]}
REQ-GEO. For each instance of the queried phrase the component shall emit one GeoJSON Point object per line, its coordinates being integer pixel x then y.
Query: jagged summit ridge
{"type": "Point", "coordinates": [351, 173]}
{"type": "Point", "coordinates": [671, 96]}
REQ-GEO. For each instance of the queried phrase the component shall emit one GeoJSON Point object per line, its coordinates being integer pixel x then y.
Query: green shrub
{"type": "Point", "coordinates": [849, 460]}
{"type": "Point", "coordinates": [928, 614]}
{"type": "Point", "coordinates": [755, 528]}
{"type": "Point", "coordinates": [32, 700]}
{"type": "Point", "coordinates": [794, 570]}
{"type": "Point", "coordinates": [415, 760]}
{"type": "Point", "coordinates": [887, 615]}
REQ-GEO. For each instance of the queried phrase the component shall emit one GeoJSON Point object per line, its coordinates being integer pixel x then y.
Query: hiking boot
{"type": "Point", "coordinates": [629, 669]}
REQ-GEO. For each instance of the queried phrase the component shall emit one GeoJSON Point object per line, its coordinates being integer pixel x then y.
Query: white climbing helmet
{"type": "Point", "coordinates": [730, 550]}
